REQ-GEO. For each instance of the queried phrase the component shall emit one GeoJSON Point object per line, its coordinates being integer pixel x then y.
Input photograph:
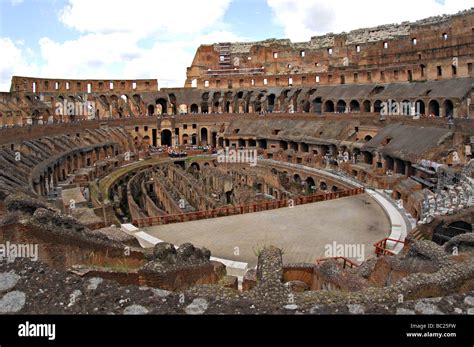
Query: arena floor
{"type": "Point", "coordinates": [302, 232]}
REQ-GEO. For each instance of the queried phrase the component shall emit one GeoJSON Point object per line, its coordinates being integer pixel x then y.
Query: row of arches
{"type": "Point", "coordinates": [205, 138]}
{"type": "Point", "coordinates": [405, 107]}
{"type": "Point", "coordinates": [433, 107]}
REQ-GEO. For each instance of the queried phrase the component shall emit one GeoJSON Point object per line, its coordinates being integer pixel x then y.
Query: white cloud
{"type": "Point", "coordinates": [119, 56]}
{"type": "Point", "coordinates": [16, 2]}
{"type": "Point", "coordinates": [14, 61]}
{"type": "Point", "coordinates": [303, 19]}
{"type": "Point", "coordinates": [120, 39]}
{"type": "Point", "coordinates": [143, 17]}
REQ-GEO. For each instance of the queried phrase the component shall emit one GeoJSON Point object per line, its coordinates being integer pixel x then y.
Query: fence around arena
{"type": "Point", "coordinates": [244, 209]}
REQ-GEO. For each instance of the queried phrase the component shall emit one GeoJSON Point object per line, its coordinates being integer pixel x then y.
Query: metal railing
{"type": "Point", "coordinates": [346, 263]}
{"type": "Point", "coordinates": [381, 248]}
{"type": "Point", "coordinates": [244, 209]}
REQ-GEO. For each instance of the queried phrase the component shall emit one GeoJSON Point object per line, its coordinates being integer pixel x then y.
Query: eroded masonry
{"type": "Point", "coordinates": [360, 140]}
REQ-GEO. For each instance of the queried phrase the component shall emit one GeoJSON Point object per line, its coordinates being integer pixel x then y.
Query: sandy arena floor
{"type": "Point", "coordinates": [302, 232]}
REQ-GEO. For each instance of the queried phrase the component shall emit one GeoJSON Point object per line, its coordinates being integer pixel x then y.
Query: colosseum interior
{"type": "Point", "coordinates": [333, 176]}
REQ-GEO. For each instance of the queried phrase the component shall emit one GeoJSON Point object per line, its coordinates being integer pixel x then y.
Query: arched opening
{"type": "Point", "coordinates": [378, 106]}
{"type": "Point", "coordinates": [318, 105]}
{"type": "Point", "coordinates": [183, 109]}
{"type": "Point", "coordinates": [334, 189]}
{"type": "Point", "coordinates": [124, 98]}
{"type": "Point", "coordinates": [204, 107]}
{"type": "Point", "coordinates": [227, 107]}
{"type": "Point", "coordinates": [448, 109]}
{"type": "Point", "coordinates": [194, 109]}
{"type": "Point", "coordinates": [185, 139]}
{"type": "Point", "coordinates": [271, 102]}
{"type": "Point", "coordinates": [166, 137]}
{"type": "Point", "coordinates": [420, 107]}
{"type": "Point", "coordinates": [252, 143]}
{"type": "Point", "coordinates": [172, 99]}
{"type": "Point", "coordinates": [151, 110]}
{"type": "Point", "coordinates": [341, 106]}
{"type": "Point", "coordinates": [194, 139]}
{"type": "Point", "coordinates": [368, 138]}
{"type": "Point", "coordinates": [366, 106]}
{"type": "Point", "coordinates": [306, 106]}
{"type": "Point", "coordinates": [434, 108]}
{"type": "Point", "coordinates": [163, 106]}
{"type": "Point", "coordinates": [323, 186]}
{"type": "Point", "coordinates": [368, 157]}
{"type": "Point", "coordinates": [195, 167]}
{"type": "Point", "coordinates": [329, 106]}
{"type": "Point", "coordinates": [284, 145]}
{"type": "Point", "coordinates": [311, 184]}
{"type": "Point", "coordinates": [220, 142]}
{"type": "Point", "coordinates": [136, 98]}
{"type": "Point", "coordinates": [354, 106]}
{"type": "Point", "coordinates": [297, 179]}
{"type": "Point", "coordinates": [146, 140]}
{"type": "Point", "coordinates": [204, 138]}
{"type": "Point", "coordinates": [241, 143]}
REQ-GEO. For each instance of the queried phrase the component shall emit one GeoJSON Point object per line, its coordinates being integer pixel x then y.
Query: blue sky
{"type": "Point", "coordinates": [157, 39]}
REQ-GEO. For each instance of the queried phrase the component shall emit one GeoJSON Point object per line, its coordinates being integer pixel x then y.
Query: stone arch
{"type": "Point", "coordinates": [354, 106]}
{"type": "Point", "coordinates": [378, 106]}
{"type": "Point", "coordinates": [194, 109]}
{"type": "Point", "coordinates": [420, 107]}
{"type": "Point", "coordinates": [448, 108]}
{"type": "Point", "coordinates": [311, 184]}
{"type": "Point", "coordinates": [151, 110]}
{"type": "Point", "coordinates": [297, 179]}
{"type": "Point", "coordinates": [163, 105]}
{"type": "Point", "coordinates": [195, 167]}
{"type": "Point", "coordinates": [318, 105]}
{"type": "Point", "coordinates": [183, 109]}
{"type": "Point", "coordinates": [166, 137]}
{"type": "Point", "coordinates": [185, 139]}
{"type": "Point", "coordinates": [341, 106]}
{"type": "Point", "coordinates": [366, 105]}
{"type": "Point", "coordinates": [433, 108]}
{"type": "Point", "coordinates": [204, 136]}
{"type": "Point", "coordinates": [271, 102]}
{"type": "Point", "coordinates": [306, 106]}
{"type": "Point", "coordinates": [329, 106]}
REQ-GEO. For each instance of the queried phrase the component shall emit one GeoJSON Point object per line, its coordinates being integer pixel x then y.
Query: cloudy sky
{"type": "Point", "coordinates": [131, 39]}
